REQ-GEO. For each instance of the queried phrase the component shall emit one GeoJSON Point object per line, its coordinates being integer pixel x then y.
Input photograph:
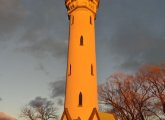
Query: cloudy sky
{"type": "Point", "coordinates": [33, 45]}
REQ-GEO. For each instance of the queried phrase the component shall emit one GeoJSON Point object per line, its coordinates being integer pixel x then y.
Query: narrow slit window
{"type": "Point", "coordinates": [90, 20]}
{"type": "Point", "coordinates": [81, 41]}
{"type": "Point", "coordinates": [72, 19]}
{"type": "Point", "coordinates": [92, 73]}
{"type": "Point", "coordinates": [70, 69]}
{"type": "Point", "coordinates": [80, 99]}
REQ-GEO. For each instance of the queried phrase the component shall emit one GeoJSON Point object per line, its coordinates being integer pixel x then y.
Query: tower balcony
{"type": "Point", "coordinates": [91, 5]}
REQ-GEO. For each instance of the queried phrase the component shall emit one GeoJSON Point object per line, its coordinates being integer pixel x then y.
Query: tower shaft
{"type": "Point", "coordinates": [81, 100]}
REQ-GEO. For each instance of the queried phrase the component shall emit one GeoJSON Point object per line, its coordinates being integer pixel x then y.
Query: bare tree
{"type": "Point", "coordinates": [28, 112]}
{"type": "Point", "coordinates": [129, 96]}
{"type": "Point", "coordinates": [39, 109]}
{"type": "Point", "coordinates": [155, 76]}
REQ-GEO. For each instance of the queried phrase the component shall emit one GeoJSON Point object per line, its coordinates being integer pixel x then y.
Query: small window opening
{"type": "Point", "coordinates": [70, 69]}
{"type": "Point", "coordinates": [92, 73]}
{"type": "Point", "coordinates": [90, 20]}
{"type": "Point", "coordinates": [81, 41]}
{"type": "Point", "coordinates": [72, 20]}
{"type": "Point", "coordinates": [80, 99]}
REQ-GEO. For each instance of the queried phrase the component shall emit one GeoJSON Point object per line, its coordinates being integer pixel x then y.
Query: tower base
{"type": "Point", "coordinates": [94, 115]}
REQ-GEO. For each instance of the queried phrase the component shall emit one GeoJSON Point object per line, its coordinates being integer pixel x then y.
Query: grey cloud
{"type": "Point", "coordinates": [39, 101]}
{"type": "Point", "coordinates": [60, 101]}
{"type": "Point", "coordinates": [46, 46]}
{"type": "Point", "coordinates": [0, 99]}
{"type": "Point", "coordinates": [49, 16]}
{"type": "Point", "coordinates": [57, 88]}
{"type": "Point", "coordinates": [45, 28]}
{"type": "Point", "coordinates": [42, 68]}
{"type": "Point", "coordinates": [11, 13]}
{"type": "Point", "coordinates": [135, 31]}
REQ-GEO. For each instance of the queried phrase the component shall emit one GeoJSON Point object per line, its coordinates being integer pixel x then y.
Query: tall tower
{"type": "Point", "coordinates": [81, 100]}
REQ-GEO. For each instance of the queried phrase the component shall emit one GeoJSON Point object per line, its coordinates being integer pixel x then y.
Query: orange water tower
{"type": "Point", "coordinates": [81, 99]}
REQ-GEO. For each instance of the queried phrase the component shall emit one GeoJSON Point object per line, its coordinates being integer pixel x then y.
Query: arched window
{"type": "Point", "coordinates": [81, 41]}
{"type": "Point", "coordinates": [70, 69]}
{"type": "Point", "coordinates": [80, 99]}
{"type": "Point", "coordinates": [92, 73]}
{"type": "Point", "coordinates": [90, 20]}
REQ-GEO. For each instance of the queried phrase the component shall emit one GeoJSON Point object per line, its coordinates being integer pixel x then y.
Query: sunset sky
{"type": "Point", "coordinates": [33, 45]}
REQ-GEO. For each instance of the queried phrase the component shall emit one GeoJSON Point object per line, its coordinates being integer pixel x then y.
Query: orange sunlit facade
{"type": "Point", "coordinates": [81, 100]}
